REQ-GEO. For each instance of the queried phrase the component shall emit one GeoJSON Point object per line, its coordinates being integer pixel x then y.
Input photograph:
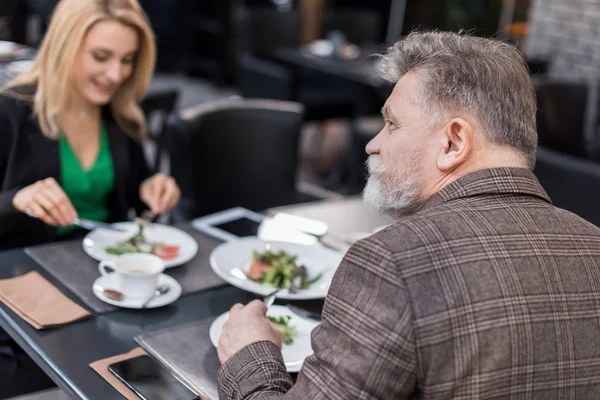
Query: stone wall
{"type": "Point", "coordinates": [567, 32]}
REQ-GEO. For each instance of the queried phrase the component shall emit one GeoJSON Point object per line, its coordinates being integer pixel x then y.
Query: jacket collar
{"type": "Point", "coordinates": [517, 181]}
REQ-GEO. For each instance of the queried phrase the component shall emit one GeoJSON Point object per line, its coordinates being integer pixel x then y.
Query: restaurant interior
{"type": "Point", "coordinates": [260, 110]}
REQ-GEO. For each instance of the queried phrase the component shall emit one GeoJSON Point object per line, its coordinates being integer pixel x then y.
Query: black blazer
{"type": "Point", "coordinates": [27, 156]}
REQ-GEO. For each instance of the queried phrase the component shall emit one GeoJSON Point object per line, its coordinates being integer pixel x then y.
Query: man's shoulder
{"type": "Point", "coordinates": [475, 222]}
{"type": "Point", "coordinates": [414, 232]}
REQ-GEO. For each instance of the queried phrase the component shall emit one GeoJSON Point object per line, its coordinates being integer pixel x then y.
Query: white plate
{"type": "Point", "coordinates": [109, 282]}
{"type": "Point", "coordinates": [18, 67]}
{"type": "Point", "coordinates": [10, 50]}
{"type": "Point", "coordinates": [97, 240]}
{"type": "Point", "coordinates": [231, 260]}
{"type": "Point", "coordinates": [7, 48]}
{"type": "Point", "coordinates": [293, 354]}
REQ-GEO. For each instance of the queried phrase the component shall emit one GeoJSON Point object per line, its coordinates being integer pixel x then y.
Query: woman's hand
{"type": "Point", "coordinates": [160, 193]}
{"type": "Point", "coordinates": [47, 201]}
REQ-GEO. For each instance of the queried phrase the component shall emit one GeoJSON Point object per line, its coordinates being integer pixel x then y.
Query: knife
{"type": "Point", "coordinates": [84, 223]}
{"type": "Point", "coordinates": [301, 312]}
{"type": "Point", "coordinates": [91, 225]}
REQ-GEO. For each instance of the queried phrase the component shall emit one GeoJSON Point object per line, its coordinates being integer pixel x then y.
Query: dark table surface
{"type": "Point", "coordinates": [360, 70]}
{"type": "Point", "coordinates": [64, 353]}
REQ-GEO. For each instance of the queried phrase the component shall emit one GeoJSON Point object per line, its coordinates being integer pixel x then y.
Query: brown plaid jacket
{"type": "Point", "coordinates": [487, 292]}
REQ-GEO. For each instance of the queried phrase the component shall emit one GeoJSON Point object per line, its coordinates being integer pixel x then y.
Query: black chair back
{"type": "Point", "coordinates": [259, 78]}
{"type": "Point", "coordinates": [158, 108]}
{"type": "Point", "coordinates": [562, 115]}
{"type": "Point", "coordinates": [262, 30]}
{"type": "Point", "coordinates": [240, 152]}
{"type": "Point", "coordinates": [572, 183]}
{"type": "Point", "coordinates": [14, 15]}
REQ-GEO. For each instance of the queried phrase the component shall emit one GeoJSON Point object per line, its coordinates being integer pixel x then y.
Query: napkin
{"type": "Point", "coordinates": [101, 367]}
{"type": "Point", "coordinates": [38, 302]}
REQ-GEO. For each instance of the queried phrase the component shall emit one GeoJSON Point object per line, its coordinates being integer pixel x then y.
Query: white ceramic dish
{"type": "Point", "coordinates": [231, 260]}
{"type": "Point", "coordinates": [97, 240]}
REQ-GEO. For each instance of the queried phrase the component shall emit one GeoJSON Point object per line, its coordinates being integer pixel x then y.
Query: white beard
{"type": "Point", "coordinates": [395, 193]}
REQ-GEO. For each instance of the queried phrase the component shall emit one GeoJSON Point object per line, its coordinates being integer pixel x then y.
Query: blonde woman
{"type": "Point", "coordinates": [70, 129]}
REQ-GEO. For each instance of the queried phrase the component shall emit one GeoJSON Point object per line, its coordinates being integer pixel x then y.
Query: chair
{"type": "Point", "coordinates": [259, 78]}
{"type": "Point", "coordinates": [566, 116]}
{"type": "Point", "coordinates": [14, 14]}
{"type": "Point", "coordinates": [262, 30]}
{"type": "Point", "coordinates": [237, 152]}
{"type": "Point", "coordinates": [572, 183]}
{"type": "Point", "coordinates": [158, 108]}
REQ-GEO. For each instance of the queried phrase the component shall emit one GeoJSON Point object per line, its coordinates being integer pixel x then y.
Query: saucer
{"type": "Point", "coordinates": [109, 282]}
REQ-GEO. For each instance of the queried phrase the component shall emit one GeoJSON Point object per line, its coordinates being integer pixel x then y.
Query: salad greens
{"type": "Point", "coordinates": [282, 324]}
{"type": "Point", "coordinates": [139, 244]}
{"type": "Point", "coordinates": [135, 244]}
{"type": "Point", "coordinates": [278, 270]}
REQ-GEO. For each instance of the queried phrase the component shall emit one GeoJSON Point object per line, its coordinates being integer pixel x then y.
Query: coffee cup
{"type": "Point", "coordinates": [136, 273]}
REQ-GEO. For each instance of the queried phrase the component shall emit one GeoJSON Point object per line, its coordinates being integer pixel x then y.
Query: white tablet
{"type": "Point", "coordinates": [231, 224]}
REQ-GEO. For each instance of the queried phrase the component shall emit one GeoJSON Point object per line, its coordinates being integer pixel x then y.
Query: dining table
{"type": "Point", "coordinates": [361, 69]}
{"type": "Point", "coordinates": [64, 353]}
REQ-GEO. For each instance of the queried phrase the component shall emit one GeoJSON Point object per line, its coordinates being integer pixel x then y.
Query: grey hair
{"type": "Point", "coordinates": [484, 78]}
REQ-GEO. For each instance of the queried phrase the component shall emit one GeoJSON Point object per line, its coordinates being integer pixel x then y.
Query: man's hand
{"type": "Point", "coordinates": [246, 325]}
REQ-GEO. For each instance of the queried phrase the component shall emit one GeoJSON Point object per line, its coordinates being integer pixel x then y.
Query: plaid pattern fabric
{"type": "Point", "coordinates": [488, 292]}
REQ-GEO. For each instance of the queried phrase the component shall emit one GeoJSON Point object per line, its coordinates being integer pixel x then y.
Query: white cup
{"type": "Point", "coordinates": [136, 273]}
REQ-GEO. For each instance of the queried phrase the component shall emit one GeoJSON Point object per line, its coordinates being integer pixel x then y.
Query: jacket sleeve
{"type": "Point", "coordinates": [364, 348]}
{"type": "Point", "coordinates": [9, 216]}
{"type": "Point", "coordinates": [140, 172]}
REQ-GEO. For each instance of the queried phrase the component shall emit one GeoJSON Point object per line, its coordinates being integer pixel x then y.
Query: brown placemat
{"type": "Point", "coordinates": [72, 267]}
{"type": "Point", "coordinates": [186, 351]}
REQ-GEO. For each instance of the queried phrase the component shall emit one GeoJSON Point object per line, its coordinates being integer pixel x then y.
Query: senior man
{"type": "Point", "coordinates": [481, 290]}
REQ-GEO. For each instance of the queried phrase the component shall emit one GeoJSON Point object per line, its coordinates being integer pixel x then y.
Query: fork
{"type": "Point", "coordinates": [145, 218]}
{"type": "Point", "coordinates": [270, 298]}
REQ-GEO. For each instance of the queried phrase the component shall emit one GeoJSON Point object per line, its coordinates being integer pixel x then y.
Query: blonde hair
{"type": "Point", "coordinates": [52, 70]}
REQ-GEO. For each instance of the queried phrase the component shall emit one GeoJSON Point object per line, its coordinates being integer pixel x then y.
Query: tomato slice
{"type": "Point", "coordinates": [166, 252]}
{"type": "Point", "coordinates": [257, 268]}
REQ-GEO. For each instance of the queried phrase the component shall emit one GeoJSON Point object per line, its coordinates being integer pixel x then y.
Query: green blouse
{"type": "Point", "coordinates": [87, 189]}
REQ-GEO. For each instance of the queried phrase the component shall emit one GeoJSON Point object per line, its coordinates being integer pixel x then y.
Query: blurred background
{"type": "Point", "coordinates": [216, 56]}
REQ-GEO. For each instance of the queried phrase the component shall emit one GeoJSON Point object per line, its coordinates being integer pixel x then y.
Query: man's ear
{"type": "Point", "coordinates": [457, 144]}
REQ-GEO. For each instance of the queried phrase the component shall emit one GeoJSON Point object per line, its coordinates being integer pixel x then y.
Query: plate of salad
{"type": "Point", "coordinates": [259, 266]}
{"type": "Point", "coordinates": [173, 245]}
{"type": "Point", "coordinates": [295, 333]}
